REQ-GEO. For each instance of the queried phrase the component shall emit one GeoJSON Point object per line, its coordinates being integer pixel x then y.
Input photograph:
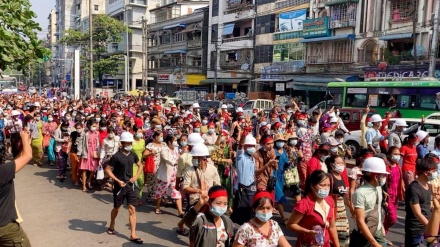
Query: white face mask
{"type": "Point", "coordinates": [338, 168]}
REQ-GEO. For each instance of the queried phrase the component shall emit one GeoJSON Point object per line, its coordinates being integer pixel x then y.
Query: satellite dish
{"type": "Point", "coordinates": [245, 66]}
{"type": "Point", "coordinates": [420, 50]}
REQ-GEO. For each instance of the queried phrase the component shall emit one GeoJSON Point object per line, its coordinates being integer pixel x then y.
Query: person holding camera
{"type": "Point", "coordinates": [11, 231]}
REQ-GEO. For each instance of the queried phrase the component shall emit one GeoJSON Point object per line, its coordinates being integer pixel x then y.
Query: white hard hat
{"type": "Point", "coordinates": [196, 105]}
{"type": "Point", "coordinates": [195, 138]}
{"type": "Point", "coordinates": [224, 106]}
{"type": "Point", "coordinates": [37, 104]}
{"type": "Point", "coordinates": [171, 102]}
{"type": "Point", "coordinates": [376, 118]}
{"type": "Point", "coordinates": [126, 137]}
{"type": "Point", "coordinates": [239, 109]}
{"type": "Point", "coordinates": [374, 165]}
{"type": "Point", "coordinates": [199, 150]}
{"type": "Point", "coordinates": [421, 134]}
{"type": "Point", "coordinates": [333, 120]}
{"type": "Point", "coordinates": [400, 122]}
{"type": "Point", "coordinates": [250, 140]}
{"type": "Point", "coordinates": [15, 113]}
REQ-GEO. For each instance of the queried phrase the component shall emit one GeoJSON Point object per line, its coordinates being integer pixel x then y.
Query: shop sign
{"type": "Point", "coordinates": [315, 28]}
{"type": "Point", "coordinates": [292, 21]}
{"type": "Point", "coordinates": [279, 87]}
{"type": "Point", "coordinates": [163, 78]}
{"type": "Point", "coordinates": [400, 72]}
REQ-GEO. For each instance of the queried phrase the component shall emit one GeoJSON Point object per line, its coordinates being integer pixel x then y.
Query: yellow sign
{"type": "Point", "coordinates": [194, 79]}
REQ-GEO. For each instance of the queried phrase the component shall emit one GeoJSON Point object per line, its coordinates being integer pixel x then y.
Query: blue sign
{"type": "Point", "coordinates": [315, 28]}
{"type": "Point", "coordinates": [292, 21]}
{"type": "Point", "coordinates": [67, 77]}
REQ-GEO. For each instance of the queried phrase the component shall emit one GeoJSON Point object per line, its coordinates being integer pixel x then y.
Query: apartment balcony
{"type": "Point", "coordinates": [287, 35]}
{"type": "Point", "coordinates": [342, 24]}
{"type": "Point", "coordinates": [290, 3]}
{"type": "Point", "coordinates": [329, 60]}
{"type": "Point", "coordinates": [238, 34]}
{"type": "Point", "coordinates": [194, 43]}
{"type": "Point", "coordinates": [238, 8]}
{"type": "Point", "coordinates": [337, 2]}
{"type": "Point", "coordinates": [242, 41]}
{"type": "Point", "coordinates": [235, 59]}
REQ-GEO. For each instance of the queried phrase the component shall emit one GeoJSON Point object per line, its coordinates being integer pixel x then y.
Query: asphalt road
{"type": "Point", "coordinates": [59, 214]}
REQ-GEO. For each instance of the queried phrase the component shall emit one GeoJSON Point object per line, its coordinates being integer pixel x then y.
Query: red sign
{"type": "Point", "coordinates": [163, 78]}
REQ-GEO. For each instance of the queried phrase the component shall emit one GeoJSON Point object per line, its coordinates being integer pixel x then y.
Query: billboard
{"type": "Point", "coordinates": [292, 21]}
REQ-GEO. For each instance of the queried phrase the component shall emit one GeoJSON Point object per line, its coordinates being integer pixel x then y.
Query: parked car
{"type": "Point", "coordinates": [166, 101]}
{"type": "Point", "coordinates": [432, 126]}
{"type": "Point", "coordinates": [352, 117]}
{"type": "Point", "coordinates": [321, 105]}
{"type": "Point", "coordinates": [216, 104]}
{"type": "Point", "coordinates": [435, 115]}
{"type": "Point", "coordinates": [260, 104]}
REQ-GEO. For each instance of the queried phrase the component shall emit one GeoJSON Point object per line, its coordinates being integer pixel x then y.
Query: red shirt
{"type": "Point", "coordinates": [138, 121]}
{"type": "Point", "coordinates": [102, 136]}
{"type": "Point", "coordinates": [409, 154]}
{"type": "Point", "coordinates": [313, 164]}
{"type": "Point", "coordinates": [311, 217]}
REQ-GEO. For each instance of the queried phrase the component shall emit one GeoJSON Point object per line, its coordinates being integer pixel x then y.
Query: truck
{"type": "Point", "coordinates": [187, 97]}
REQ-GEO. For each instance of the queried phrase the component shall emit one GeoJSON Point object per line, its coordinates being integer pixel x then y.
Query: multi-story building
{"type": "Point", "coordinates": [51, 42]}
{"type": "Point", "coordinates": [177, 45]}
{"type": "Point", "coordinates": [131, 12]}
{"type": "Point", "coordinates": [230, 47]}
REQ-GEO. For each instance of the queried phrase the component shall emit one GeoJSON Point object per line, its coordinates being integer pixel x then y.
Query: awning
{"type": "Point", "coordinates": [175, 51]}
{"type": "Point", "coordinates": [396, 36]}
{"type": "Point", "coordinates": [336, 2]}
{"type": "Point", "coordinates": [336, 37]}
{"type": "Point", "coordinates": [318, 83]}
{"type": "Point", "coordinates": [274, 80]}
{"type": "Point", "coordinates": [188, 30]}
{"type": "Point", "coordinates": [223, 81]}
{"type": "Point", "coordinates": [228, 29]}
{"type": "Point", "coordinates": [175, 25]}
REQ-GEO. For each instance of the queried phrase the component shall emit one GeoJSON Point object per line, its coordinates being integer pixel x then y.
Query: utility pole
{"type": "Point", "coordinates": [181, 72]}
{"type": "Point", "coordinates": [252, 84]}
{"type": "Point", "coordinates": [91, 47]}
{"type": "Point", "coordinates": [144, 54]}
{"type": "Point", "coordinates": [127, 60]}
{"type": "Point", "coordinates": [434, 40]}
{"type": "Point", "coordinates": [415, 36]}
{"type": "Point", "coordinates": [215, 70]}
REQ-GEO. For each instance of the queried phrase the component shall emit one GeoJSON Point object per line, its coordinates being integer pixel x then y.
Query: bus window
{"type": "Point", "coordinates": [432, 129]}
{"type": "Point", "coordinates": [406, 101]}
{"type": "Point", "coordinates": [358, 100]}
{"type": "Point", "coordinates": [427, 98]}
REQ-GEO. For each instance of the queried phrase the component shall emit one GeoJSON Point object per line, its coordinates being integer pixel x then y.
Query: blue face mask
{"type": "Point", "coordinates": [251, 151]}
{"type": "Point", "coordinates": [218, 211]}
{"type": "Point", "coordinates": [322, 193]}
{"type": "Point", "coordinates": [183, 144]}
{"type": "Point", "coordinates": [279, 144]}
{"type": "Point", "coordinates": [324, 157]}
{"type": "Point", "coordinates": [263, 217]}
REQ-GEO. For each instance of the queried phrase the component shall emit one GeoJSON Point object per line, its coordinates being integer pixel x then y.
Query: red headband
{"type": "Point", "coordinates": [218, 193]}
{"type": "Point", "coordinates": [267, 140]}
{"type": "Point", "coordinates": [368, 155]}
{"type": "Point", "coordinates": [262, 194]}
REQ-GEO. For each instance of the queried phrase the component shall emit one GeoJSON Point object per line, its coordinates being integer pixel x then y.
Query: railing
{"type": "Point", "coordinates": [233, 39]}
{"type": "Point", "coordinates": [289, 3]}
{"type": "Point", "coordinates": [238, 8]}
{"type": "Point", "coordinates": [342, 24]}
{"type": "Point", "coordinates": [193, 69]}
{"type": "Point", "coordinates": [194, 43]}
{"type": "Point", "coordinates": [327, 60]}
{"type": "Point", "coordinates": [287, 35]}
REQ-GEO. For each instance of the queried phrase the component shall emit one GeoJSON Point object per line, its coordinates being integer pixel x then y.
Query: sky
{"type": "Point", "coordinates": [42, 9]}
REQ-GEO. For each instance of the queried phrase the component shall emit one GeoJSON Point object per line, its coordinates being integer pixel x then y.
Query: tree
{"type": "Point", "coordinates": [106, 30]}
{"type": "Point", "coordinates": [19, 44]}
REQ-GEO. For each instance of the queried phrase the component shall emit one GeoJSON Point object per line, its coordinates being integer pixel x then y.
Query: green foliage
{"type": "Point", "coordinates": [390, 58]}
{"type": "Point", "coordinates": [106, 30]}
{"type": "Point", "coordinates": [19, 44]}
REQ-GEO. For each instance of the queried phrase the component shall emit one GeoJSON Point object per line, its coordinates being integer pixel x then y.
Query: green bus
{"type": "Point", "coordinates": [405, 97]}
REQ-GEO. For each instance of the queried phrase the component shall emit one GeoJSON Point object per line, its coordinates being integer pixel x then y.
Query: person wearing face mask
{"type": "Point", "coordinates": [153, 148]}
{"type": "Point", "coordinates": [422, 148]}
{"type": "Point", "coordinates": [313, 216]}
{"type": "Point", "coordinates": [88, 151]}
{"type": "Point", "coordinates": [209, 225]}
{"type": "Point", "coordinates": [394, 187]}
{"type": "Point", "coordinates": [367, 201]}
{"type": "Point", "coordinates": [261, 230]}
{"type": "Point", "coordinates": [68, 118]}
{"type": "Point", "coordinates": [246, 173]}
{"type": "Point", "coordinates": [334, 145]}
{"type": "Point", "coordinates": [283, 162]}
{"type": "Point", "coordinates": [237, 125]}
{"type": "Point", "coordinates": [14, 126]}
{"type": "Point", "coordinates": [61, 142]}
{"type": "Point", "coordinates": [400, 128]}
{"type": "Point", "coordinates": [196, 127]}
{"type": "Point", "coordinates": [166, 175]}
{"type": "Point", "coordinates": [317, 162]}
{"type": "Point", "coordinates": [294, 155]}
{"type": "Point", "coordinates": [339, 191]}
{"type": "Point", "coordinates": [305, 138]}
{"type": "Point", "coordinates": [418, 200]}
{"type": "Point", "coordinates": [102, 129]}
{"type": "Point", "coordinates": [120, 169]}
{"type": "Point", "coordinates": [373, 135]}
{"type": "Point", "coordinates": [196, 112]}
{"type": "Point", "coordinates": [138, 148]}
{"type": "Point", "coordinates": [265, 163]}
{"type": "Point", "coordinates": [204, 127]}
{"type": "Point", "coordinates": [109, 147]}
{"type": "Point", "coordinates": [409, 158]}
{"type": "Point", "coordinates": [211, 137]}
{"type": "Point", "coordinates": [49, 129]}
{"type": "Point", "coordinates": [343, 150]}
{"type": "Point", "coordinates": [36, 128]}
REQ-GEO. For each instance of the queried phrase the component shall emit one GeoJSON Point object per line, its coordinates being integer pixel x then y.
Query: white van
{"type": "Point", "coordinates": [260, 104]}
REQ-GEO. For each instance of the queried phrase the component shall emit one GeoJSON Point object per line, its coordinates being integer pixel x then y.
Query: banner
{"type": "Point", "coordinates": [292, 21]}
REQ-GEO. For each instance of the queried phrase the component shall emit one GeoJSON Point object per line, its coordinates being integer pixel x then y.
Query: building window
{"type": "Point", "coordinates": [214, 33]}
{"type": "Point", "coordinates": [78, 6]}
{"type": "Point", "coordinates": [161, 16]}
{"type": "Point", "coordinates": [263, 54]}
{"type": "Point", "coordinates": [165, 63]}
{"type": "Point", "coordinates": [165, 39]}
{"type": "Point", "coordinates": [178, 37]}
{"type": "Point", "coordinates": [370, 52]}
{"type": "Point", "coordinates": [265, 24]}
{"type": "Point", "coordinates": [175, 11]}
{"type": "Point", "coordinates": [96, 7]}
{"type": "Point", "coordinates": [343, 15]}
{"type": "Point", "coordinates": [401, 10]}
{"type": "Point", "coordinates": [288, 52]}
{"type": "Point", "coordinates": [115, 46]}
{"type": "Point", "coordinates": [215, 8]}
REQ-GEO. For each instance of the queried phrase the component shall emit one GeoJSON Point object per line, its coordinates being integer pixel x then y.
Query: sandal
{"type": "Point", "coordinates": [183, 232]}
{"type": "Point", "coordinates": [181, 216]}
{"type": "Point", "coordinates": [111, 231]}
{"type": "Point", "coordinates": [158, 211]}
{"type": "Point", "coordinates": [136, 240]}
